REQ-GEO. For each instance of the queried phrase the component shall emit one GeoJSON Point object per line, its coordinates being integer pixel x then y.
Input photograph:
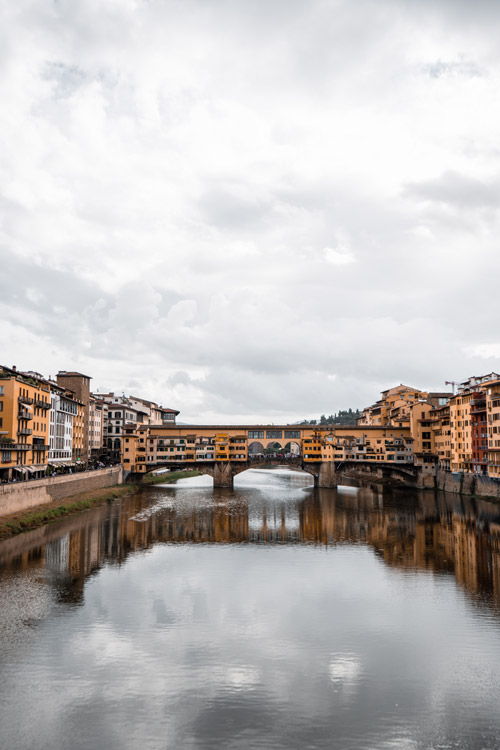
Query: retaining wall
{"type": "Point", "coordinates": [467, 484]}
{"type": "Point", "coordinates": [23, 495]}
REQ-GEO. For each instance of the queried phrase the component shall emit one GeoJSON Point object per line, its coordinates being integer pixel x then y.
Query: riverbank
{"type": "Point", "coordinates": [34, 517]}
{"type": "Point", "coordinates": [22, 497]}
{"type": "Point", "coordinates": [16, 523]}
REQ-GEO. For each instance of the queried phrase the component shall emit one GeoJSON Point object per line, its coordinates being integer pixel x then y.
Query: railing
{"type": "Point", "coordinates": [42, 404]}
{"type": "Point", "coordinates": [25, 400]}
{"type": "Point", "coordinates": [40, 447]}
{"type": "Point", "coordinates": [21, 447]}
{"type": "Point", "coordinates": [25, 415]}
{"type": "Point", "coordinates": [25, 431]}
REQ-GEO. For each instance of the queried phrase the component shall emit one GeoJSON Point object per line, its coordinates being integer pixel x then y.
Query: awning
{"type": "Point", "coordinates": [20, 469]}
{"type": "Point", "coordinates": [31, 469]}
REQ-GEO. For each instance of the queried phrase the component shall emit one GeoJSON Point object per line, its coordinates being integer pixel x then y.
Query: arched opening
{"type": "Point", "coordinates": [256, 449]}
{"type": "Point", "coordinates": [279, 471]}
{"type": "Point", "coordinates": [274, 449]}
{"type": "Point", "coordinates": [292, 448]}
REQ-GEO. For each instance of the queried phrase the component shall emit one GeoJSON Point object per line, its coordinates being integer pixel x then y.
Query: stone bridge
{"type": "Point", "coordinates": [325, 473]}
{"type": "Point", "coordinates": [325, 452]}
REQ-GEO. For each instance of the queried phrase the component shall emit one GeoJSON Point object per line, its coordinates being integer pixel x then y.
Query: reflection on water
{"type": "Point", "coordinates": [273, 615]}
{"type": "Point", "coordinates": [407, 529]}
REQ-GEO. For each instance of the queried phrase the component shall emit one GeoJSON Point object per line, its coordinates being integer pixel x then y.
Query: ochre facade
{"type": "Point", "coordinates": [24, 424]}
{"type": "Point", "coordinates": [147, 446]}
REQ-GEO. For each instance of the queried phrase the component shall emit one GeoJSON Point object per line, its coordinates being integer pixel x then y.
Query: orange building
{"type": "Point", "coordinates": [493, 425]}
{"type": "Point", "coordinates": [24, 424]}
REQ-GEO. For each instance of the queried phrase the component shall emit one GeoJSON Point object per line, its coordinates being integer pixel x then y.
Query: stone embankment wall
{"type": "Point", "coordinates": [467, 484]}
{"type": "Point", "coordinates": [20, 496]}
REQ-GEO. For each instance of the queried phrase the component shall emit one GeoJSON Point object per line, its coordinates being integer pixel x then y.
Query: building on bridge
{"type": "Point", "coordinates": [210, 448]}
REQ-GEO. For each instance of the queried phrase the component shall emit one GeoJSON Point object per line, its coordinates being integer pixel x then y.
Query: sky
{"type": "Point", "coordinates": [250, 211]}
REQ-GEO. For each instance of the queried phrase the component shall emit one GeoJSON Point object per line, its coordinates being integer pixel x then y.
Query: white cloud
{"type": "Point", "coordinates": [261, 201]}
{"type": "Point", "coordinates": [338, 257]}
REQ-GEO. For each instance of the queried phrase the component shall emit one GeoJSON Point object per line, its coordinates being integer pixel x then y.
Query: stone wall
{"type": "Point", "coordinates": [23, 495]}
{"type": "Point", "coordinates": [467, 484]}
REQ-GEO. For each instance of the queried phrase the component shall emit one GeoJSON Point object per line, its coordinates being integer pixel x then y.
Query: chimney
{"type": "Point", "coordinates": [14, 368]}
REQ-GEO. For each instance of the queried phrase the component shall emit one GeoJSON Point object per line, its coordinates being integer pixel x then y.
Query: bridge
{"type": "Point", "coordinates": [223, 451]}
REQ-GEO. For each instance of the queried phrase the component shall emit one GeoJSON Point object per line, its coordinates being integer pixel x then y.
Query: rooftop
{"type": "Point", "coordinates": [66, 374]}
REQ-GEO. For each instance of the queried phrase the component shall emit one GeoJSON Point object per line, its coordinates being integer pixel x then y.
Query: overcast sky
{"type": "Point", "coordinates": [251, 210]}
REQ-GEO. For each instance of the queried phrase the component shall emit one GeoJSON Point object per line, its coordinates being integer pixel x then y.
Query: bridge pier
{"type": "Point", "coordinates": [223, 474]}
{"type": "Point", "coordinates": [327, 476]}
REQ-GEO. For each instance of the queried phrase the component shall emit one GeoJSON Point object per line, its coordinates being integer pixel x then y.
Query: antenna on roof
{"type": "Point", "coordinates": [452, 383]}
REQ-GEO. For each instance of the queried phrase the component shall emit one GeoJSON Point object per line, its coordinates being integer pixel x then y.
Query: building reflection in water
{"type": "Point", "coordinates": [408, 530]}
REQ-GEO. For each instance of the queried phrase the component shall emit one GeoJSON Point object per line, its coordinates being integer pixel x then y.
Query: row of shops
{"type": "Point", "coordinates": [52, 468]}
{"type": "Point", "coordinates": [21, 473]}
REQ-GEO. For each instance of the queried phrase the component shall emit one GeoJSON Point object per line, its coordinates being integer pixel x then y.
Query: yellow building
{"type": "Point", "coordinates": [440, 427]}
{"type": "Point", "coordinates": [390, 444]}
{"type": "Point", "coordinates": [461, 430]}
{"type": "Point", "coordinates": [24, 424]}
{"type": "Point", "coordinates": [79, 432]}
{"type": "Point", "coordinates": [493, 423]}
{"type": "Point", "coordinates": [130, 446]}
{"type": "Point", "coordinates": [393, 408]}
{"type": "Point", "coordinates": [421, 423]}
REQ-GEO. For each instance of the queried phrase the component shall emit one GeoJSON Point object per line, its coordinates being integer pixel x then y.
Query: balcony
{"type": "Point", "coordinates": [21, 447]}
{"type": "Point", "coordinates": [25, 400]}
{"type": "Point", "coordinates": [42, 404]}
{"type": "Point", "coordinates": [40, 447]}
{"type": "Point", "coordinates": [22, 414]}
{"type": "Point", "coordinates": [25, 431]}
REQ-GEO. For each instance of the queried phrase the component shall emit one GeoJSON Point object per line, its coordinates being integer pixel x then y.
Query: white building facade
{"type": "Point", "coordinates": [62, 412]}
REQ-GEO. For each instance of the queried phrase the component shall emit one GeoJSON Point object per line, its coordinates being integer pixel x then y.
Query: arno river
{"type": "Point", "coordinates": [271, 616]}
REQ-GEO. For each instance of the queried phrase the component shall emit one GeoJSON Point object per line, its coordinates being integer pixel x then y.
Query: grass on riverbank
{"type": "Point", "coordinates": [16, 523]}
{"type": "Point", "coordinates": [168, 477]}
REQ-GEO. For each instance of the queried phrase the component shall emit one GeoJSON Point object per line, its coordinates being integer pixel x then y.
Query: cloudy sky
{"type": "Point", "coordinates": [250, 210]}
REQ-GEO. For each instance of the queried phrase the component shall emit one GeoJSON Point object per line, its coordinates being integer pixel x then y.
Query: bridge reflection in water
{"type": "Point", "coordinates": [406, 529]}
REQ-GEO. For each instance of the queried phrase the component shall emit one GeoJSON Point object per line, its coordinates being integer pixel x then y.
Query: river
{"type": "Point", "coordinates": [271, 616]}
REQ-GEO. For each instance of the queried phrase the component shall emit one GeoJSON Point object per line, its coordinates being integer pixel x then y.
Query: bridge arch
{"type": "Point", "coordinates": [255, 447]}
{"type": "Point", "coordinates": [300, 468]}
{"type": "Point", "coordinates": [293, 447]}
{"type": "Point", "coordinates": [274, 447]}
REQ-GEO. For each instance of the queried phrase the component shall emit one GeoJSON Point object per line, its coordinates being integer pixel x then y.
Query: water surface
{"type": "Point", "coordinates": [271, 616]}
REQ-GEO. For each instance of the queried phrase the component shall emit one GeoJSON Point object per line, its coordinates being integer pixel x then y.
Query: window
{"type": "Point", "coordinates": [274, 434]}
{"type": "Point", "coordinates": [292, 434]}
{"type": "Point", "coordinates": [255, 434]}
